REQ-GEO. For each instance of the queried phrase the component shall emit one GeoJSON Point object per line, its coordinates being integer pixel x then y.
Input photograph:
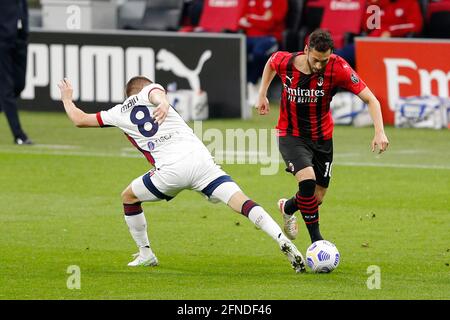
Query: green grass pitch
{"type": "Point", "coordinates": [60, 206]}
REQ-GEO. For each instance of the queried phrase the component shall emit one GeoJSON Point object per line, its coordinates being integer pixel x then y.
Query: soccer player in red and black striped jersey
{"type": "Point", "coordinates": [305, 125]}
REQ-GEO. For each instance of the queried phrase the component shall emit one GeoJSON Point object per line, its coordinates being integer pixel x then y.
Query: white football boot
{"type": "Point", "coordinates": [294, 256]}
{"type": "Point", "coordinates": [290, 221]}
{"type": "Point", "coordinates": [140, 260]}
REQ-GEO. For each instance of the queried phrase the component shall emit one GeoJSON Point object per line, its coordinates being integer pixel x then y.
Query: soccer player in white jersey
{"type": "Point", "coordinates": [181, 161]}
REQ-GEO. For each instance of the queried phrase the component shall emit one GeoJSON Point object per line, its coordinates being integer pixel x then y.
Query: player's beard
{"type": "Point", "coordinates": [313, 71]}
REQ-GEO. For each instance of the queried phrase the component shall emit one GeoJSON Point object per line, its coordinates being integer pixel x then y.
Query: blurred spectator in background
{"type": "Point", "coordinates": [398, 18]}
{"type": "Point", "coordinates": [263, 22]}
{"type": "Point", "coordinates": [13, 61]}
{"type": "Point", "coordinates": [192, 11]}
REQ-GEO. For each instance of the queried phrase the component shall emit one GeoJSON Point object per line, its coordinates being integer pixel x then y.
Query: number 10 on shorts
{"type": "Point", "coordinates": [328, 169]}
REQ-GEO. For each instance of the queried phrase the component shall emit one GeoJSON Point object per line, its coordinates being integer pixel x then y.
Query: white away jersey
{"type": "Point", "coordinates": [161, 145]}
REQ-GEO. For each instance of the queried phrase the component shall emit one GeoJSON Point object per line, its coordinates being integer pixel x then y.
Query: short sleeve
{"type": "Point", "coordinates": [276, 59]}
{"type": "Point", "coordinates": [347, 78]}
{"type": "Point", "coordinates": [108, 118]}
{"type": "Point", "coordinates": [143, 94]}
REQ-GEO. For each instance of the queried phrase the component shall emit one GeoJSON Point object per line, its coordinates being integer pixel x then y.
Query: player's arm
{"type": "Point", "coordinates": [76, 115]}
{"type": "Point", "coordinates": [380, 140]}
{"type": "Point", "coordinates": [158, 98]}
{"type": "Point", "coordinates": [262, 104]}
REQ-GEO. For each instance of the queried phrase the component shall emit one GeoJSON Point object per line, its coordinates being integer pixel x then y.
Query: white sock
{"type": "Point", "coordinates": [137, 224]}
{"type": "Point", "coordinates": [264, 221]}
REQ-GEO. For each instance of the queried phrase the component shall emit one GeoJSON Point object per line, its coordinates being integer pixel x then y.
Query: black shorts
{"type": "Point", "coordinates": [299, 153]}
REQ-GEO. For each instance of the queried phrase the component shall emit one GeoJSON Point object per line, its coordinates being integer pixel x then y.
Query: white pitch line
{"type": "Point", "coordinates": [138, 155]}
{"type": "Point", "coordinates": [393, 165]}
{"type": "Point", "coordinates": [409, 151]}
{"type": "Point", "coordinates": [72, 153]}
{"type": "Point", "coordinates": [55, 146]}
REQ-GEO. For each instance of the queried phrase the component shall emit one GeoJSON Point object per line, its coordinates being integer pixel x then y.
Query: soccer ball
{"type": "Point", "coordinates": [322, 256]}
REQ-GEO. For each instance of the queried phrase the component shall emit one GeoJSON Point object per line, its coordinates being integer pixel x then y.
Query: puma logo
{"type": "Point", "coordinates": [167, 61]}
{"type": "Point", "coordinates": [289, 78]}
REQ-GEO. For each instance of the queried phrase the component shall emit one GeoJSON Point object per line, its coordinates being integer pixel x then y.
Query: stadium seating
{"type": "Point", "coordinates": [221, 18]}
{"type": "Point", "coordinates": [163, 15]}
{"type": "Point", "coordinates": [341, 18]}
{"type": "Point", "coordinates": [131, 13]}
{"type": "Point", "coordinates": [159, 15]}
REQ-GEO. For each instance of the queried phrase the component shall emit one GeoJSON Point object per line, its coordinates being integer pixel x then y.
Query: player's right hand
{"type": "Point", "coordinates": [262, 105]}
{"type": "Point", "coordinates": [66, 90]}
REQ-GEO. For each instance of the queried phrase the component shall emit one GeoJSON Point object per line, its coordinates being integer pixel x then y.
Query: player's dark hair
{"type": "Point", "coordinates": [320, 40]}
{"type": "Point", "coordinates": [135, 84]}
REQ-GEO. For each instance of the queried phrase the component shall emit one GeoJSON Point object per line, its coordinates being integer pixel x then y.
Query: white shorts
{"type": "Point", "coordinates": [197, 171]}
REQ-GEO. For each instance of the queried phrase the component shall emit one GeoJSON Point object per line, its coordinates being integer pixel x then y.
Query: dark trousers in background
{"type": "Point", "coordinates": [13, 62]}
{"type": "Point", "coordinates": [348, 53]}
{"type": "Point", "coordinates": [259, 50]}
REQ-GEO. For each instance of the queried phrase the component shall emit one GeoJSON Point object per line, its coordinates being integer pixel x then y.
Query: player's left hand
{"type": "Point", "coordinates": [160, 112]}
{"type": "Point", "coordinates": [381, 141]}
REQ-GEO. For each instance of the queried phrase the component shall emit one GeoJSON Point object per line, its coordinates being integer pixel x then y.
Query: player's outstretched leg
{"type": "Point", "coordinates": [240, 203]}
{"type": "Point", "coordinates": [264, 221]}
{"type": "Point", "coordinates": [137, 225]}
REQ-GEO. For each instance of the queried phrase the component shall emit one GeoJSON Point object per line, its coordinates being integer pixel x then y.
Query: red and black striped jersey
{"type": "Point", "coordinates": [305, 98]}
